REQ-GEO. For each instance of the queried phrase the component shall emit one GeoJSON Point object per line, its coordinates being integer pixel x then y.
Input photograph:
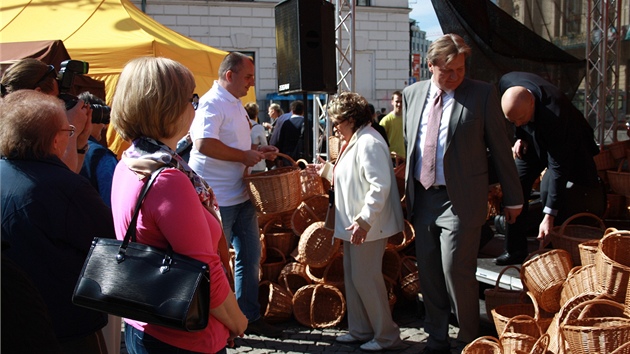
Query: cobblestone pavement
{"type": "Point", "coordinates": [302, 339]}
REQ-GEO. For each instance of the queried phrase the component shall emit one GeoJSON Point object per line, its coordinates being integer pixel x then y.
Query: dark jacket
{"type": "Point", "coordinates": [98, 167]}
{"type": "Point", "coordinates": [49, 217]}
{"type": "Point", "coordinates": [563, 140]}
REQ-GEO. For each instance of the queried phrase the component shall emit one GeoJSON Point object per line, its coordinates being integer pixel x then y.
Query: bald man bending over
{"type": "Point", "coordinates": [550, 133]}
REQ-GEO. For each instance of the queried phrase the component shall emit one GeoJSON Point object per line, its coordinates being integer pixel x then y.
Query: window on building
{"type": "Point", "coordinates": [573, 12]}
{"type": "Point", "coordinates": [364, 2]}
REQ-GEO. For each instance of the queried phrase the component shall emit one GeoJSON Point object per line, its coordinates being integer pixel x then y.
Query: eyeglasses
{"type": "Point", "coordinates": [71, 129]}
{"type": "Point", "coordinates": [336, 123]}
{"type": "Point", "coordinates": [51, 69]}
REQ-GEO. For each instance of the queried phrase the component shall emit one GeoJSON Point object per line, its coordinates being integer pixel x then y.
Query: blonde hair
{"type": "Point", "coordinates": [446, 48]}
{"type": "Point", "coordinates": [276, 107]}
{"type": "Point", "coordinates": [30, 121]}
{"type": "Point", "coordinates": [150, 98]}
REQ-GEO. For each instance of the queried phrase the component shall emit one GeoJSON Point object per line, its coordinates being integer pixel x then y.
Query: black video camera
{"type": "Point", "coordinates": [100, 113]}
{"type": "Point", "coordinates": [65, 78]}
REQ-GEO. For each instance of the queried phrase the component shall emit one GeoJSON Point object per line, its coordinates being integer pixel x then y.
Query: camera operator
{"type": "Point", "coordinates": [100, 162]}
{"type": "Point", "coordinates": [36, 75]}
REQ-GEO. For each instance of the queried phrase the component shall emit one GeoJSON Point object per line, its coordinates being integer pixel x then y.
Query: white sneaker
{"type": "Point", "coordinates": [348, 339]}
{"type": "Point", "coordinates": [371, 346]}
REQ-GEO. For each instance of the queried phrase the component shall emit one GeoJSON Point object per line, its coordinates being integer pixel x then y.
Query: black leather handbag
{"type": "Point", "coordinates": [144, 283]}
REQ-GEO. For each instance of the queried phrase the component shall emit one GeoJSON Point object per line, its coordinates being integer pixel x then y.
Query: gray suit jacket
{"type": "Point", "coordinates": [476, 126]}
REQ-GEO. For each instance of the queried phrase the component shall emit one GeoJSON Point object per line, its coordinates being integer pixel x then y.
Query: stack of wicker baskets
{"type": "Point", "coordinates": [612, 168]}
{"type": "Point", "coordinates": [582, 309]}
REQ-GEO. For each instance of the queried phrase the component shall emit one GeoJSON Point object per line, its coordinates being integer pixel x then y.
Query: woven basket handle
{"type": "Point", "coordinates": [579, 215]}
{"type": "Point", "coordinates": [620, 166]}
{"type": "Point", "coordinates": [246, 171]}
{"type": "Point", "coordinates": [521, 317]}
{"type": "Point", "coordinates": [588, 303]}
{"type": "Point", "coordinates": [535, 302]}
{"type": "Point", "coordinates": [472, 344]}
{"type": "Point", "coordinates": [496, 284]}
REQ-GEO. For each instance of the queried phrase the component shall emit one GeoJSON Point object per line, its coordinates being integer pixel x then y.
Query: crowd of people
{"type": "Point", "coordinates": [61, 188]}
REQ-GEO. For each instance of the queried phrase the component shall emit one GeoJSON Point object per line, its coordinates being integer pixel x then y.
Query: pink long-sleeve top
{"type": "Point", "coordinates": [172, 214]}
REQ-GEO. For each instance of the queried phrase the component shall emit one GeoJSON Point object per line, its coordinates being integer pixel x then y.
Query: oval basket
{"type": "Point", "coordinates": [402, 239]}
{"type": "Point", "coordinates": [309, 211]}
{"type": "Point", "coordinates": [319, 306]}
{"type": "Point", "coordinates": [293, 276]}
{"type": "Point", "coordinates": [544, 274]}
{"type": "Point", "coordinates": [596, 335]}
{"type": "Point", "coordinates": [484, 345]}
{"type": "Point", "coordinates": [502, 314]}
{"type": "Point", "coordinates": [521, 336]}
{"type": "Point", "coordinates": [581, 280]}
{"type": "Point", "coordinates": [588, 251]}
{"type": "Point", "coordinates": [497, 296]}
{"type": "Point", "coordinates": [275, 303]}
{"type": "Point", "coordinates": [568, 237]}
{"type": "Point", "coordinates": [557, 344]}
{"type": "Point", "coordinates": [317, 245]}
{"type": "Point", "coordinates": [275, 191]}
{"type": "Point", "coordinates": [613, 265]}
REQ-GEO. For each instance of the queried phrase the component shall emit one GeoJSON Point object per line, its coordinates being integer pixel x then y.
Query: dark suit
{"type": "Point", "coordinates": [448, 221]}
{"type": "Point", "coordinates": [560, 139]}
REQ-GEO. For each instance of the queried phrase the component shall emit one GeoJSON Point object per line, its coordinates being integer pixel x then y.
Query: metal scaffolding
{"type": "Point", "coordinates": [603, 56]}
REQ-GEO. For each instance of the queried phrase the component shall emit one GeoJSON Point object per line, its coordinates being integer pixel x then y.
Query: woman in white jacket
{"type": "Point", "coordinates": [368, 211]}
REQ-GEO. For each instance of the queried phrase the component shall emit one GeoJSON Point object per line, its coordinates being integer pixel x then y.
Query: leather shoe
{"type": "Point", "coordinates": [508, 258]}
{"type": "Point", "coordinates": [262, 328]}
{"type": "Point", "coordinates": [428, 350]}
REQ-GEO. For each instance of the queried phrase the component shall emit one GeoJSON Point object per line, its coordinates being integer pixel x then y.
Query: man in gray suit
{"type": "Point", "coordinates": [447, 202]}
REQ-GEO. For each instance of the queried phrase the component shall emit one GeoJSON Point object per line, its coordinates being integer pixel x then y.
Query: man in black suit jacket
{"type": "Point", "coordinates": [550, 133]}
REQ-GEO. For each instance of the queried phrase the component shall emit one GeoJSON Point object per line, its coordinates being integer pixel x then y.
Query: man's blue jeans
{"type": "Point", "coordinates": [240, 225]}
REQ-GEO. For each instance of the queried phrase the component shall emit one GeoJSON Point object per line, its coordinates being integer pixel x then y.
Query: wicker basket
{"type": "Point", "coordinates": [309, 211]}
{"type": "Point", "coordinates": [596, 335]}
{"type": "Point", "coordinates": [618, 149]}
{"type": "Point", "coordinates": [541, 345]}
{"type": "Point", "coordinates": [331, 273]}
{"type": "Point", "coordinates": [311, 185]}
{"type": "Point", "coordinates": [484, 345]}
{"type": "Point", "coordinates": [275, 303]}
{"type": "Point", "coordinates": [399, 172]}
{"type": "Point", "coordinates": [588, 251]}
{"type": "Point", "coordinates": [544, 275]}
{"type": "Point", "coordinates": [273, 264]}
{"type": "Point", "coordinates": [568, 237]}
{"type": "Point", "coordinates": [319, 306]}
{"type": "Point", "coordinates": [293, 276]}
{"type": "Point", "coordinates": [613, 264]}
{"type": "Point", "coordinates": [402, 239]}
{"type": "Point", "coordinates": [581, 280]}
{"type": "Point", "coordinates": [409, 278]}
{"type": "Point", "coordinates": [391, 264]}
{"type": "Point", "coordinates": [520, 333]}
{"type": "Point", "coordinates": [557, 344]}
{"type": "Point", "coordinates": [334, 145]}
{"type": "Point", "coordinates": [317, 245]}
{"type": "Point", "coordinates": [275, 191]}
{"type": "Point", "coordinates": [604, 160]}
{"type": "Point", "coordinates": [616, 207]}
{"type": "Point", "coordinates": [279, 237]}
{"type": "Point", "coordinates": [497, 296]}
{"type": "Point", "coordinates": [502, 314]}
{"type": "Point", "coordinates": [495, 197]}
{"type": "Point", "coordinates": [624, 349]}
{"type": "Point", "coordinates": [619, 180]}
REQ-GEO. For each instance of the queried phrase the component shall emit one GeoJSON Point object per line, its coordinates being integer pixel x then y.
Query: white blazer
{"type": "Point", "coordinates": [365, 188]}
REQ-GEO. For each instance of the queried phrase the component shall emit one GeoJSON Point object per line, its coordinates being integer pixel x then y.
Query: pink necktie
{"type": "Point", "coordinates": [427, 172]}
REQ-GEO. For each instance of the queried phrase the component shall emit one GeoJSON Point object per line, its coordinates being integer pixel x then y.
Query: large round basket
{"type": "Point", "coordinates": [502, 314]}
{"type": "Point", "coordinates": [293, 276]}
{"type": "Point", "coordinates": [484, 345]}
{"type": "Point", "coordinates": [596, 334]}
{"type": "Point", "coordinates": [544, 275]}
{"type": "Point", "coordinates": [319, 306]}
{"type": "Point", "coordinates": [497, 296]}
{"type": "Point", "coordinates": [402, 239]}
{"type": "Point", "coordinates": [557, 343]}
{"type": "Point", "coordinates": [581, 280]}
{"type": "Point", "coordinates": [275, 303]}
{"type": "Point", "coordinates": [568, 237]}
{"type": "Point", "coordinates": [613, 265]}
{"type": "Point", "coordinates": [309, 211]}
{"type": "Point", "coordinates": [317, 245]}
{"type": "Point", "coordinates": [275, 191]}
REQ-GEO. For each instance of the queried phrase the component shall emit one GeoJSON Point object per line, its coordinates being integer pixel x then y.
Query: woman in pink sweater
{"type": "Point", "coordinates": [152, 108]}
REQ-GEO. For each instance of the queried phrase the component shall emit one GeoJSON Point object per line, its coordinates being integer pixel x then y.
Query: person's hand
{"type": "Point", "coordinates": [358, 234]}
{"type": "Point", "coordinates": [267, 125]}
{"type": "Point", "coordinates": [511, 214]}
{"type": "Point", "coordinates": [519, 149]}
{"type": "Point", "coordinates": [252, 157]}
{"type": "Point", "coordinates": [269, 151]}
{"type": "Point", "coordinates": [313, 169]}
{"type": "Point", "coordinates": [544, 230]}
{"type": "Point", "coordinates": [81, 117]}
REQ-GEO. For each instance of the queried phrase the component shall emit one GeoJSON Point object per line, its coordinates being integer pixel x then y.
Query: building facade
{"type": "Point", "coordinates": [418, 46]}
{"type": "Point", "coordinates": [381, 32]}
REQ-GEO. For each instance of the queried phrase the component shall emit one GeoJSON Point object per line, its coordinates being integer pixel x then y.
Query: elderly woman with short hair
{"type": "Point", "coordinates": [152, 108]}
{"type": "Point", "coordinates": [367, 212]}
{"type": "Point", "coordinates": [50, 214]}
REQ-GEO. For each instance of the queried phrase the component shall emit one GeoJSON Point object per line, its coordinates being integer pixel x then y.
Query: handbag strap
{"type": "Point", "coordinates": [130, 235]}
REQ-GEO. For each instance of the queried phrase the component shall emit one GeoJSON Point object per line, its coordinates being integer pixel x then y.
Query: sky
{"type": "Point", "coordinates": [423, 12]}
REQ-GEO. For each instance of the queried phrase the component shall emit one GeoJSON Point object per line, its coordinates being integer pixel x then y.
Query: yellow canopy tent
{"type": "Point", "coordinates": [107, 34]}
